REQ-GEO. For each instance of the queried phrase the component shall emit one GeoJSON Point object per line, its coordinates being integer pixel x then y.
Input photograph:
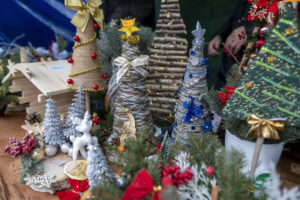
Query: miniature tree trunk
{"type": "Point", "coordinates": [167, 59]}
{"type": "Point", "coordinates": [86, 67]}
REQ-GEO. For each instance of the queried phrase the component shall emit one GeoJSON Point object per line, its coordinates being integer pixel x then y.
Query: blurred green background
{"type": "Point", "coordinates": [211, 14]}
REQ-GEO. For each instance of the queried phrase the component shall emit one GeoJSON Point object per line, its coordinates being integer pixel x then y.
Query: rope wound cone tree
{"type": "Point", "coordinates": [132, 100]}
{"type": "Point", "coordinates": [193, 114]}
{"type": "Point", "coordinates": [86, 65]}
{"type": "Point", "coordinates": [167, 58]}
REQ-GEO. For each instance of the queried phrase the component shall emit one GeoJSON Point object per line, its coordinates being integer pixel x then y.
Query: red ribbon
{"type": "Point", "coordinates": [77, 186]}
{"type": "Point", "coordinates": [141, 187]}
{"type": "Point", "coordinates": [224, 96]}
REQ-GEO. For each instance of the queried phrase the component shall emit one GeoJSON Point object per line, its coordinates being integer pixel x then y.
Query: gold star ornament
{"type": "Point", "coordinates": [128, 26]}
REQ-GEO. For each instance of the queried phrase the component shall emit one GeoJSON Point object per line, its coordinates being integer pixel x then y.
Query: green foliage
{"type": "Point", "coordinates": [233, 184]}
{"type": "Point", "coordinates": [203, 149]}
{"type": "Point", "coordinates": [62, 43]}
{"type": "Point", "coordinates": [133, 157]}
{"type": "Point", "coordinates": [109, 46]}
{"type": "Point", "coordinates": [107, 192]}
{"type": "Point", "coordinates": [5, 96]}
{"type": "Point", "coordinates": [29, 166]}
{"type": "Point", "coordinates": [146, 36]}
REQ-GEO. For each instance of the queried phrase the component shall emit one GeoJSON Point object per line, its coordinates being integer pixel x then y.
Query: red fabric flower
{"type": "Point", "coordinates": [77, 186]}
{"type": "Point", "coordinates": [141, 187]}
{"type": "Point", "coordinates": [224, 96]}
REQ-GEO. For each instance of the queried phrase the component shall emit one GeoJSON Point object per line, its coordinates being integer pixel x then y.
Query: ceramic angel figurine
{"type": "Point", "coordinates": [128, 129]}
{"type": "Point", "coordinates": [79, 143]}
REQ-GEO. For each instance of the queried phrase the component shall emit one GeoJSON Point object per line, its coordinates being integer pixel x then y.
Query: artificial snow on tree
{"type": "Point", "coordinates": [52, 125]}
{"type": "Point", "coordinates": [273, 188]}
{"type": "Point", "coordinates": [198, 186]}
{"type": "Point", "coordinates": [167, 58]}
{"type": "Point", "coordinates": [192, 112]}
{"type": "Point", "coordinates": [98, 170]}
{"type": "Point", "coordinates": [132, 91]}
{"type": "Point", "coordinates": [76, 110]}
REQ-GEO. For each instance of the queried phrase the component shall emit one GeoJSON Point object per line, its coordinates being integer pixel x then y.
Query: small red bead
{"type": "Point", "coordinates": [210, 170]}
{"type": "Point", "coordinates": [93, 55]}
{"type": "Point", "coordinates": [96, 87]}
{"type": "Point", "coordinates": [76, 38]}
{"type": "Point", "coordinates": [96, 26]}
{"type": "Point", "coordinates": [70, 60]}
{"type": "Point", "coordinates": [70, 81]}
{"type": "Point", "coordinates": [104, 76]}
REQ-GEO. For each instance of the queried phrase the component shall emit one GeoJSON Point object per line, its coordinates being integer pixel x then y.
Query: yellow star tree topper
{"type": "Point", "coordinates": [128, 26]}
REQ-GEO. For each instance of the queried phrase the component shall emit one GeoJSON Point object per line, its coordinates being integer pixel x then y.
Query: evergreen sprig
{"type": "Point", "coordinates": [29, 166]}
{"type": "Point", "coordinates": [233, 184]}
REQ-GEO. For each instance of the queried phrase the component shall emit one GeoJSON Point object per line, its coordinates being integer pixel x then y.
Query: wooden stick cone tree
{"type": "Point", "coordinates": [86, 65]}
{"type": "Point", "coordinates": [167, 58]}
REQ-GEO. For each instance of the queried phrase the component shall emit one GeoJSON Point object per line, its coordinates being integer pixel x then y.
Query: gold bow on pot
{"type": "Point", "coordinates": [81, 18]}
{"type": "Point", "coordinates": [264, 128]}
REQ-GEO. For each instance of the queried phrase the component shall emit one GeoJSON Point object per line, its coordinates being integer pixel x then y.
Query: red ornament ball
{"type": "Point", "coordinates": [210, 170]}
{"type": "Point", "coordinates": [166, 181]}
{"type": "Point", "coordinates": [261, 42]}
{"type": "Point", "coordinates": [70, 81]}
{"type": "Point", "coordinates": [96, 26]}
{"type": "Point", "coordinates": [76, 38]}
{"type": "Point", "coordinates": [70, 60]}
{"type": "Point", "coordinates": [93, 55]}
{"type": "Point", "coordinates": [104, 76]}
{"type": "Point", "coordinates": [96, 87]}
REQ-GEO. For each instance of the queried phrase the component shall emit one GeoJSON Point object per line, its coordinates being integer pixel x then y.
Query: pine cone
{"type": "Point", "coordinates": [33, 118]}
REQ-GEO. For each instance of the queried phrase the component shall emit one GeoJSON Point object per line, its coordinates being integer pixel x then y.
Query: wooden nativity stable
{"type": "Point", "coordinates": [39, 80]}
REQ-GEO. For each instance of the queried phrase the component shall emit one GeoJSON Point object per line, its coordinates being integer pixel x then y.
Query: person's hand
{"type": "Point", "coordinates": [234, 42]}
{"type": "Point", "coordinates": [214, 45]}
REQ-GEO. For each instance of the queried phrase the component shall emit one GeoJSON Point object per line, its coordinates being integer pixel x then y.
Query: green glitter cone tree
{"type": "Point", "coordinates": [270, 89]}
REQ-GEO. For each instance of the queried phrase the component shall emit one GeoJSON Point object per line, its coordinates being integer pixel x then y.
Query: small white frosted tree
{"type": "Point", "coordinates": [98, 168]}
{"type": "Point", "coordinates": [76, 110]}
{"type": "Point", "coordinates": [52, 124]}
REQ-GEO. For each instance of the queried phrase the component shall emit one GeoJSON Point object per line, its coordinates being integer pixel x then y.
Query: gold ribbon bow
{"type": "Point", "coordinates": [264, 128]}
{"type": "Point", "coordinates": [81, 18]}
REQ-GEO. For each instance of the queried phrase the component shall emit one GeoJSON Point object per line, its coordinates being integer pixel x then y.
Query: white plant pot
{"type": "Point", "coordinates": [269, 155]}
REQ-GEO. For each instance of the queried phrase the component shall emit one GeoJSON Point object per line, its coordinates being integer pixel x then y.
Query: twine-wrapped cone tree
{"type": "Point", "coordinates": [86, 65]}
{"type": "Point", "coordinates": [132, 94]}
{"type": "Point", "coordinates": [192, 111]}
{"type": "Point", "coordinates": [167, 58]}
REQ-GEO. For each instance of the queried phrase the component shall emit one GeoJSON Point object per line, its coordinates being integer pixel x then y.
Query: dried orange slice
{"type": "Point", "coordinates": [76, 169]}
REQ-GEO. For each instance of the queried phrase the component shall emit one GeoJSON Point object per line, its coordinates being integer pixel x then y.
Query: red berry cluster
{"type": "Point", "coordinates": [174, 173]}
{"type": "Point", "coordinates": [258, 44]}
{"type": "Point", "coordinates": [25, 146]}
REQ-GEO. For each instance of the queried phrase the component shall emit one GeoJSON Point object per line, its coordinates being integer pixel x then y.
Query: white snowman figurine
{"type": "Point", "coordinates": [79, 143]}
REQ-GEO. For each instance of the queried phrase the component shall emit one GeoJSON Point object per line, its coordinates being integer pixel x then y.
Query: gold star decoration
{"type": "Point", "coordinates": [288, 31]}
{"type": "Point", "coordinates": [270, 59]}
{"type": "Point", "coordinates": [128, 26]}
{"type": "Point", "coordinates": [249, 84]}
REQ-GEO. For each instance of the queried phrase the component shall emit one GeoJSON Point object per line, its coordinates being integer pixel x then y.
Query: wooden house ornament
{"type": "Point", "coordinates": [39, 80]}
